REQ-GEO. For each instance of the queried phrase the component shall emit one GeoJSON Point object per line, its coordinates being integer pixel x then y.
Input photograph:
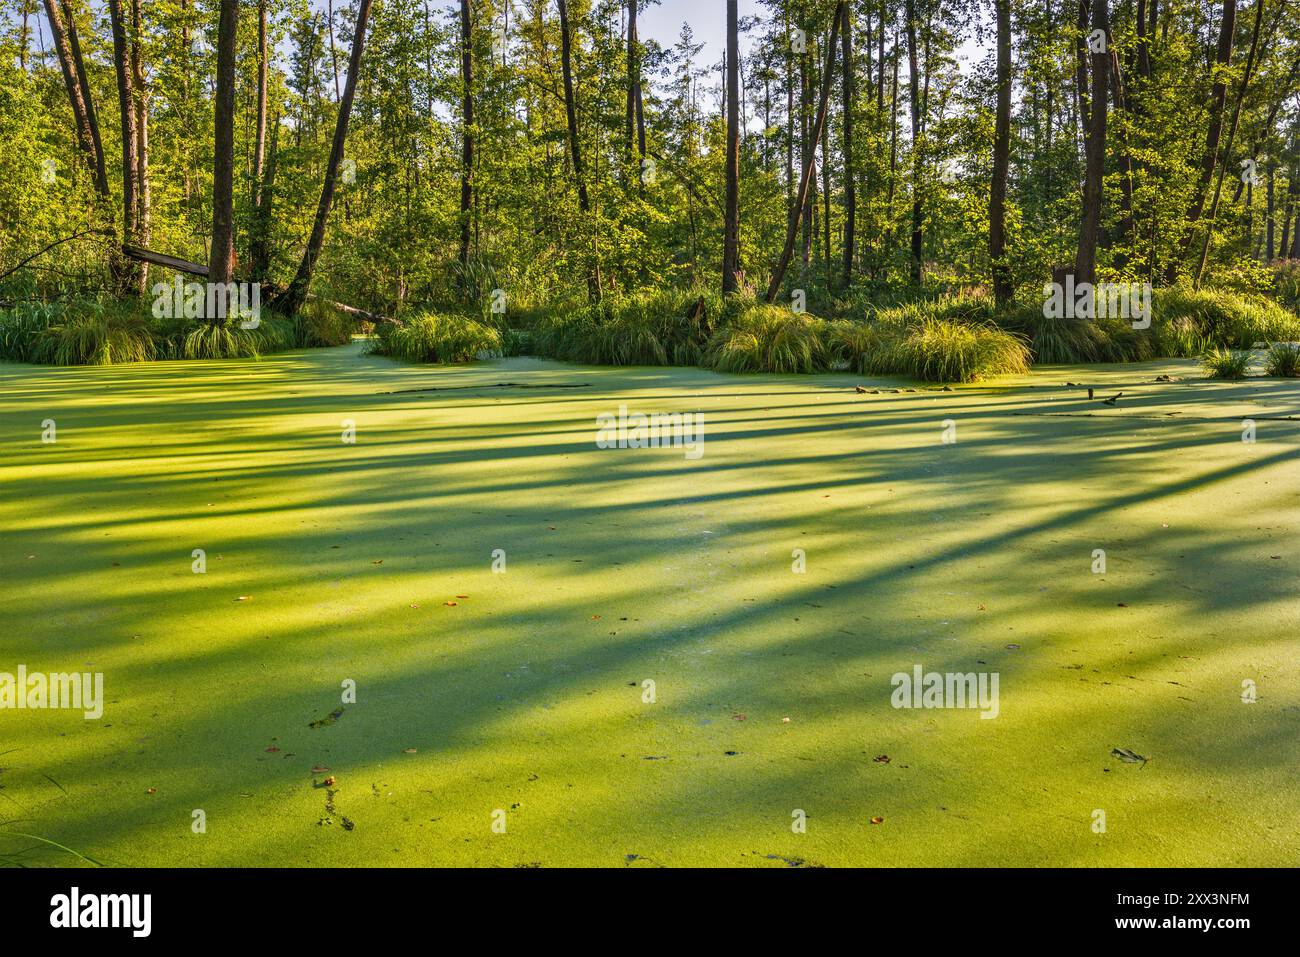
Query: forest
{"type": "Point", "coordinates": [888, 187]}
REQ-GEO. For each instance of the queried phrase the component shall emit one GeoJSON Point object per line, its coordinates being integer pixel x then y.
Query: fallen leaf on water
{"type": "Point", "coordinates": [244, 598]}
{"type": "Point", "coordinates": [739, 717]}
{"type": "Point", "coordinates": [319, 769]}
{"type": "Point", "coordinates": [150, 790]}
{"type": "Point", "coordinates": [462, 596]}
{"type": "Point", "coordinates": [451, 604]}
{"type": "Point", "coordinates": [877, 820]}
{"type": "Point", "coordinates": [1122, 604]}
{"type": "Point", "coordinates": [378, 562]}
{"type": "Point", "coordinates": [272, 749]}
{"type": "Point", "coordinates": [983, 607]}
{"type": "Point", "coordinates": [881, 759]}
{"type": "Point", "coordinates": [785, 720]}
{"type": "Point", "coordinates": [595, 617]}
{"type": "Point", "coordinates": [409, 750]}
{"type": "Point", "coordinates": [329, 781]}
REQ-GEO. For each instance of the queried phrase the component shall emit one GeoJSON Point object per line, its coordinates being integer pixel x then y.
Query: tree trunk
{"type": "Point", "coordinates": [1232, 135]}
{"type": "Point", "coordinates": [141, 104]}
{"type": "Point", "coordinates": [1002, 288]}
{"type": "Point", "coordinates": [1085, 263]}
{"type": "Point", "coordinates": [467, 129]}
{"type": "Point", "coordinates": [296, 294]}
{"type": "Point", "coordinates": [221, 255]}
{"type": "Point", "coordinates": [731, 231]}
{"type": "Point", "coordinates": [67, 51]}
{"type": "Point", "coordinates": [575, 147]}
{"type": "Point", "coordinates": [805, 178]}
{"type": "Point", "coordinates": [126, 106]}
{"type": "Point", "coordinates": [1214, 130]}
{"type": "Point", "coordinates": [850, 170]}
{"type": "Point", "coordinates": [913, 82]}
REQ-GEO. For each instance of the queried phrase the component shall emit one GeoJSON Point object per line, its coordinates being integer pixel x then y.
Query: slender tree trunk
{"type": "Point", "coordinates": [467, 129]}
{"type": "Point", "coordinates": [141, 105]}
{"type": "Point", "coordinates": [1214, 130]}
{"type": "Point", "coordinates": [913, 81]}
{"type": "Point", "coordinates": [1270, 248]}
{"type": "Point", "coordinates": [633, 77]}
{"type": "Point", "coordinates": [1085, 263]}
{"type": "Point", "coordinates": [1232, 135]}
{"type": "Point", "coordinates": [575, 147]}
{"type": "Point", "coordinates": [259, 144]}
{"type": "Point", "coordinates": [731, 231]}
{"type": "Point", "coordinates": [130, 169]}
{"type": "Point", "coordinates": [805, 178]}
{"type": "Point", "coordinates": [221, 256]}
{"type": "Point", "coordinates": [296, 294]}
{"type": "Point", "coordinates": [850, 169]}
{"type": "Point", "coordinates": [1002, 288]}
{"type": "Point", "coordinates": [67, 51]}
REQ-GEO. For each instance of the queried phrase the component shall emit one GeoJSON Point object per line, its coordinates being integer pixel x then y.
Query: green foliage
{"type": "Point", "coordinates": [940, 350]}
{"type": "Point", "coordinates": [221, 340]}
{"type": "Point", "coordinates": [1223, 317]}
{"type": "Point", "coordinates": [438, 337]}
{"type": "Point", "coordinates": [320, 325]}
{"type": "Point", "coordinates": [1283, 359]}
{"type": "Point", "coordinates": [22, 330]}
{"type": "Point", "coordinates": [1221, 363]}
{"type": "Point", "coordinates": [769, 339]}
{"type": "Point", "coordinates": [665, 328]}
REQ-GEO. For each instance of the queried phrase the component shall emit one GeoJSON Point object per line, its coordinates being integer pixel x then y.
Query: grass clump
{"type": "Point", "coordinates": [94, 333]}
{"type": "Point", "coordinates": [938, 350]}
{"type": "Point", "coordinates": [221, 340]}
{"type": "Point", "coordinates": [438, 337]}
{"type": "Point", "coordinates": [661, 328]}
{"type": "Point", "coordinates": [1283, 359]}
{"type": "Point", "coordinates": [1220, 317]}
{"type": "Point", "coordinates": [1221, 363]}
{"type": "Point", "coordinates": [769, 339]}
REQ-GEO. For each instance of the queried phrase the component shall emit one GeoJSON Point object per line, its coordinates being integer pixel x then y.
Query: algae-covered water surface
{"type": "Point", "coordinates": [349, 612]}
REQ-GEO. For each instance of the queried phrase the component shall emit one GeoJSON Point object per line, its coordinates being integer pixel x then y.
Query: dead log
{"type": "Point", "coordinates": [199, 269]}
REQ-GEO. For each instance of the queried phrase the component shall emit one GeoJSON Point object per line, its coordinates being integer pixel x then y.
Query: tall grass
{"type": "Point", "coordinates": [939, 350]}
{"type": "Point", "coordinates": [1283, 359]}
{"type": "Point", "coordinates": [1221, 363]}
{"type": "Point", "coordinates": [769, 339]}
{"type": "Point", "coordinates": [438, 337]}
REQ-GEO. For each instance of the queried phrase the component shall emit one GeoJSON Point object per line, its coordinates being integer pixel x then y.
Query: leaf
{"type": "Point", "coordinates": [877, 820]}
{"type": "Point", "coordinates": [319, 769]}
{"type": "Point", "coordinates": [272, 749]}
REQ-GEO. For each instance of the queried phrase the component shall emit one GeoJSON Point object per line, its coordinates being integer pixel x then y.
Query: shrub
{"type": "Point", "coordinates": [769, 339]}
{"type": "Point", "coordinates": [1283, 359]}
{"type": "Point", "coordinates": [438, 337]}
{"type": "Point", "coordinates": [936, 350]}
{"type": "Point", "coordinates": [1220, 363]}
{"type": "Point", "coordinates": [516, 342]}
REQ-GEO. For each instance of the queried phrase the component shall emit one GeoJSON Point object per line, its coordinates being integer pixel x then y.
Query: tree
{"type": "Point", "coordinates": [1002, 290]}
{"type": "Point", "coordinates": [131, 274]}
{"type": "Point", "coordinates": [850, 170]}
{"type": "Point", "coordinates": [68, 52]}
{"type": "Point", "coordinates": [467, 129]}
{"type": "Point", "coordinates": [575, 146]}
{"type": "Point", "coordinates": [221, 256]}
{"type": "Point", "coordinates": [296, 295]}
{"type": "Point", "coordinates": [1085, 262]}
{"type": "Point", "coordinates": [778, 274]}
{"type": "Point", "coordinates": [731, 229]}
